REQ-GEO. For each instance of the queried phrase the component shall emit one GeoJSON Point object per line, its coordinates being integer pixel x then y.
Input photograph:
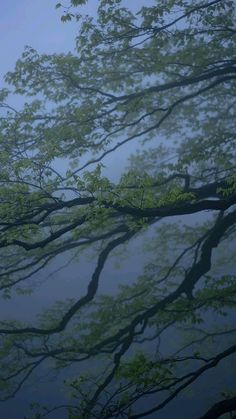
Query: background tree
{"type": "Point", "coordinates": [164, 79]}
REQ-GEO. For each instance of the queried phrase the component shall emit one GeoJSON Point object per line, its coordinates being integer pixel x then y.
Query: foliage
{"type": "Point", "coordinates": [160, 79]}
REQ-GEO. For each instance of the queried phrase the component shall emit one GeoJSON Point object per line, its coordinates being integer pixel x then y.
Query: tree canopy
{"type": "Point", "coordinates": [163, 79]}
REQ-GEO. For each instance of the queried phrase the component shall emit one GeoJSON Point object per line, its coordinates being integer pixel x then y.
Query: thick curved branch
{"type": "Point", "coordinates": [220, 408]}
{"type": "Point", "coordinates": [179, 208]}
{"type": "Point", "coordinates": [187, 81]}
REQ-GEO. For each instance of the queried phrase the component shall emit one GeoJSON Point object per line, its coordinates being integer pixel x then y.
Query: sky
{"type": "Point", "coordinates": [35, 23]}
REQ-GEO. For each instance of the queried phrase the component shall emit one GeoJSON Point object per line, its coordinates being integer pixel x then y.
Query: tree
{"type": "Point", "coordinates": [162, 78]}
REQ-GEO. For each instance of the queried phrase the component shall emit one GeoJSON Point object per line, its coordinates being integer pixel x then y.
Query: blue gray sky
{"type": "Point", "coordinates": [35, 23]}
